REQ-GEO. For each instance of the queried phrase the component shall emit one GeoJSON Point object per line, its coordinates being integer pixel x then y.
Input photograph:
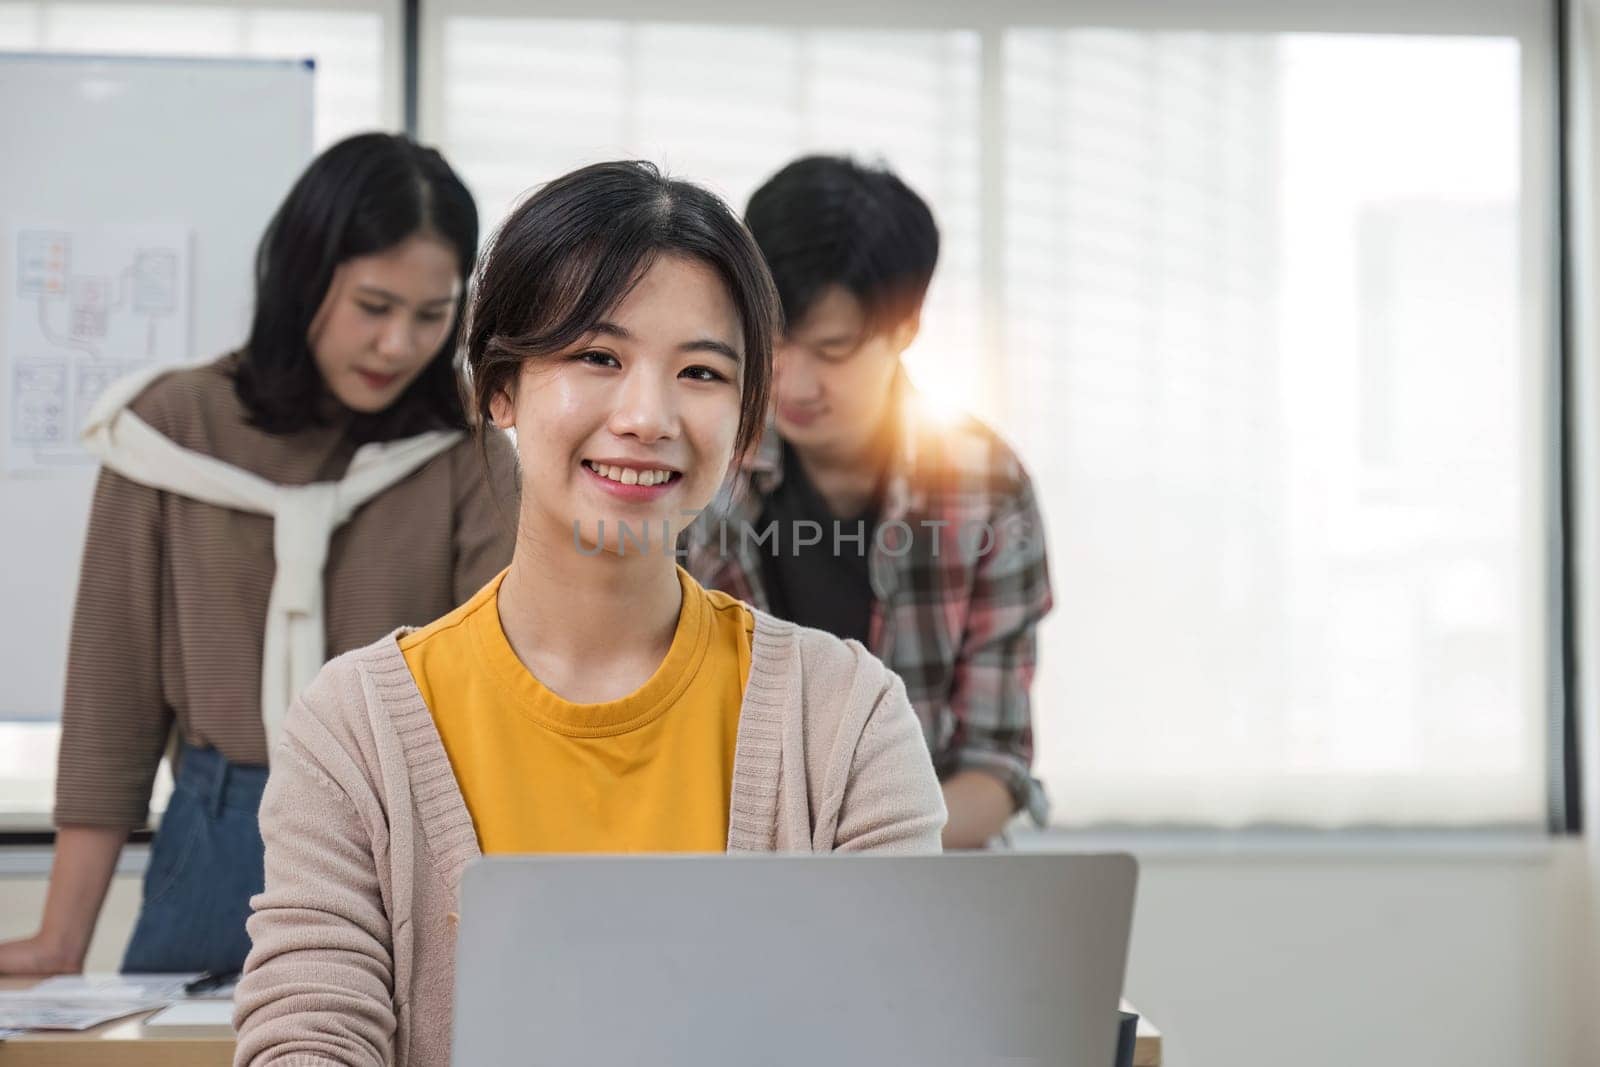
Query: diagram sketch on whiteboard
{"type": "Point", "coordinates": [89, 305]}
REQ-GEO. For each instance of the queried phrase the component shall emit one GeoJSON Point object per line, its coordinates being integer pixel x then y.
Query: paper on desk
{"type": "Point", "coordinates": [116, 986]}
{"type": "Point", "coordinates": [195, 1013]}
{"type": "Point", "coordinates": [27, 1010]}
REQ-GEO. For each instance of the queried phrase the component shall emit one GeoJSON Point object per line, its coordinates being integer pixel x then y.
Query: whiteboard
{"type": "Point", "coordinates": [210, 146]}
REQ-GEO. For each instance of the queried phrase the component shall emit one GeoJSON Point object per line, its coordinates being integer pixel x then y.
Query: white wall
{"type": "Point", "coordinates": [1365, 961]}
{"type": "Point", "coordinates": [1353, 957]}
{"type": "Point", "coordinates": [1583, 174]}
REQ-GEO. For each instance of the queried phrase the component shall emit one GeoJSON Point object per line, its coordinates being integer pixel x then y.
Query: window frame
{"type": "Point", "coordinates": [393, 67]}
{"type": "Point", "coordinates": [413, 94]}
{"type": "Point", "coordinates": [1540, 31]}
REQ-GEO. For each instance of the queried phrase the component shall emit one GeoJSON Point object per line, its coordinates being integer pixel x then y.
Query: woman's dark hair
{"type": "Point", "coordinates": [366, 194]}
{"type": "Point", "coordinates": [828, 220]}
{"type": "Point", "coordinates": [569, 253]}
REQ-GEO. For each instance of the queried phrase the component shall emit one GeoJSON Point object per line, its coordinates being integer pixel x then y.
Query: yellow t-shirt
{"type": "Point", "coordinates": [650, 772]}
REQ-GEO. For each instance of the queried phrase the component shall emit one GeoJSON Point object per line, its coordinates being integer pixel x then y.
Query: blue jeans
{"type": "Point", "coordinates": [205, 864]}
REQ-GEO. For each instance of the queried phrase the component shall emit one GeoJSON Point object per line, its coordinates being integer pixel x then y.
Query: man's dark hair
{"type": "Point", "coordinates": [366, 194]}
{"type": "Point", "coordinates": [828, 220]}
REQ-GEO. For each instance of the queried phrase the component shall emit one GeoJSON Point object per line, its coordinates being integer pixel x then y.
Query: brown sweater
{"type": "Point", "coordinates": [352, 957]}
{"type": "Point", "coordinates": [172, 595]}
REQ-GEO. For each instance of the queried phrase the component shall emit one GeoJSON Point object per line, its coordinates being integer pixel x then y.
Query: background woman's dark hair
{"type": "Point", "coordinates": [828, 220]}
{"type": "Point", "coordinates": [366, 194]}
{"type": "Point", "coordinates": [570, 252]}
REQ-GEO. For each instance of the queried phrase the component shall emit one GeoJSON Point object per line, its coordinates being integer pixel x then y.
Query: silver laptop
{"type": "Point", "coordinates": [728, 961]}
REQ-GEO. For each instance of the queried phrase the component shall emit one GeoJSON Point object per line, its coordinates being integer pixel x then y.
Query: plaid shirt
{"type": "Point", "coordinates": [959, 578]}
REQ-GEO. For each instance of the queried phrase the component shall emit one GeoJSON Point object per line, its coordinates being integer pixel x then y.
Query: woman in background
{"type": "Point", "coordinates": [290, 501]}
{"type": "Point", "coordinates": [592, 697]}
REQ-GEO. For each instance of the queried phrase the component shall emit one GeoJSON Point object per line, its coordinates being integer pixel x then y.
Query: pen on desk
{"type": "Point", "coordinates": [209, 981]}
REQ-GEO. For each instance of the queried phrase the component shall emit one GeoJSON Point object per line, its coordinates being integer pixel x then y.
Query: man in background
{"type": "Point", "coordinates": [862, 515]}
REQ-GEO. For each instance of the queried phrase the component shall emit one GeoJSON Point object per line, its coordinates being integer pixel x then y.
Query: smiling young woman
{"type": "Point", "coordinates": [593, 697]}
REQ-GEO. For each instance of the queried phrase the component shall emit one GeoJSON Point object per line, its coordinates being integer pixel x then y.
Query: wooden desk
{"type": "Point", "coordinates": [1146, 1047]}
{"type": "Point", "coordinates": [129, 1043]}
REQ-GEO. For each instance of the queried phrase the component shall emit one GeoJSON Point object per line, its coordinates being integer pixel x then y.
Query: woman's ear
{"type": "Point", "coordinates": [503, 408]}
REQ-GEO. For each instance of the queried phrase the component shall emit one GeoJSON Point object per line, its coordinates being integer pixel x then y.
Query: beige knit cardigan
{"type": "Point", "coordinates": [353, 940]}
